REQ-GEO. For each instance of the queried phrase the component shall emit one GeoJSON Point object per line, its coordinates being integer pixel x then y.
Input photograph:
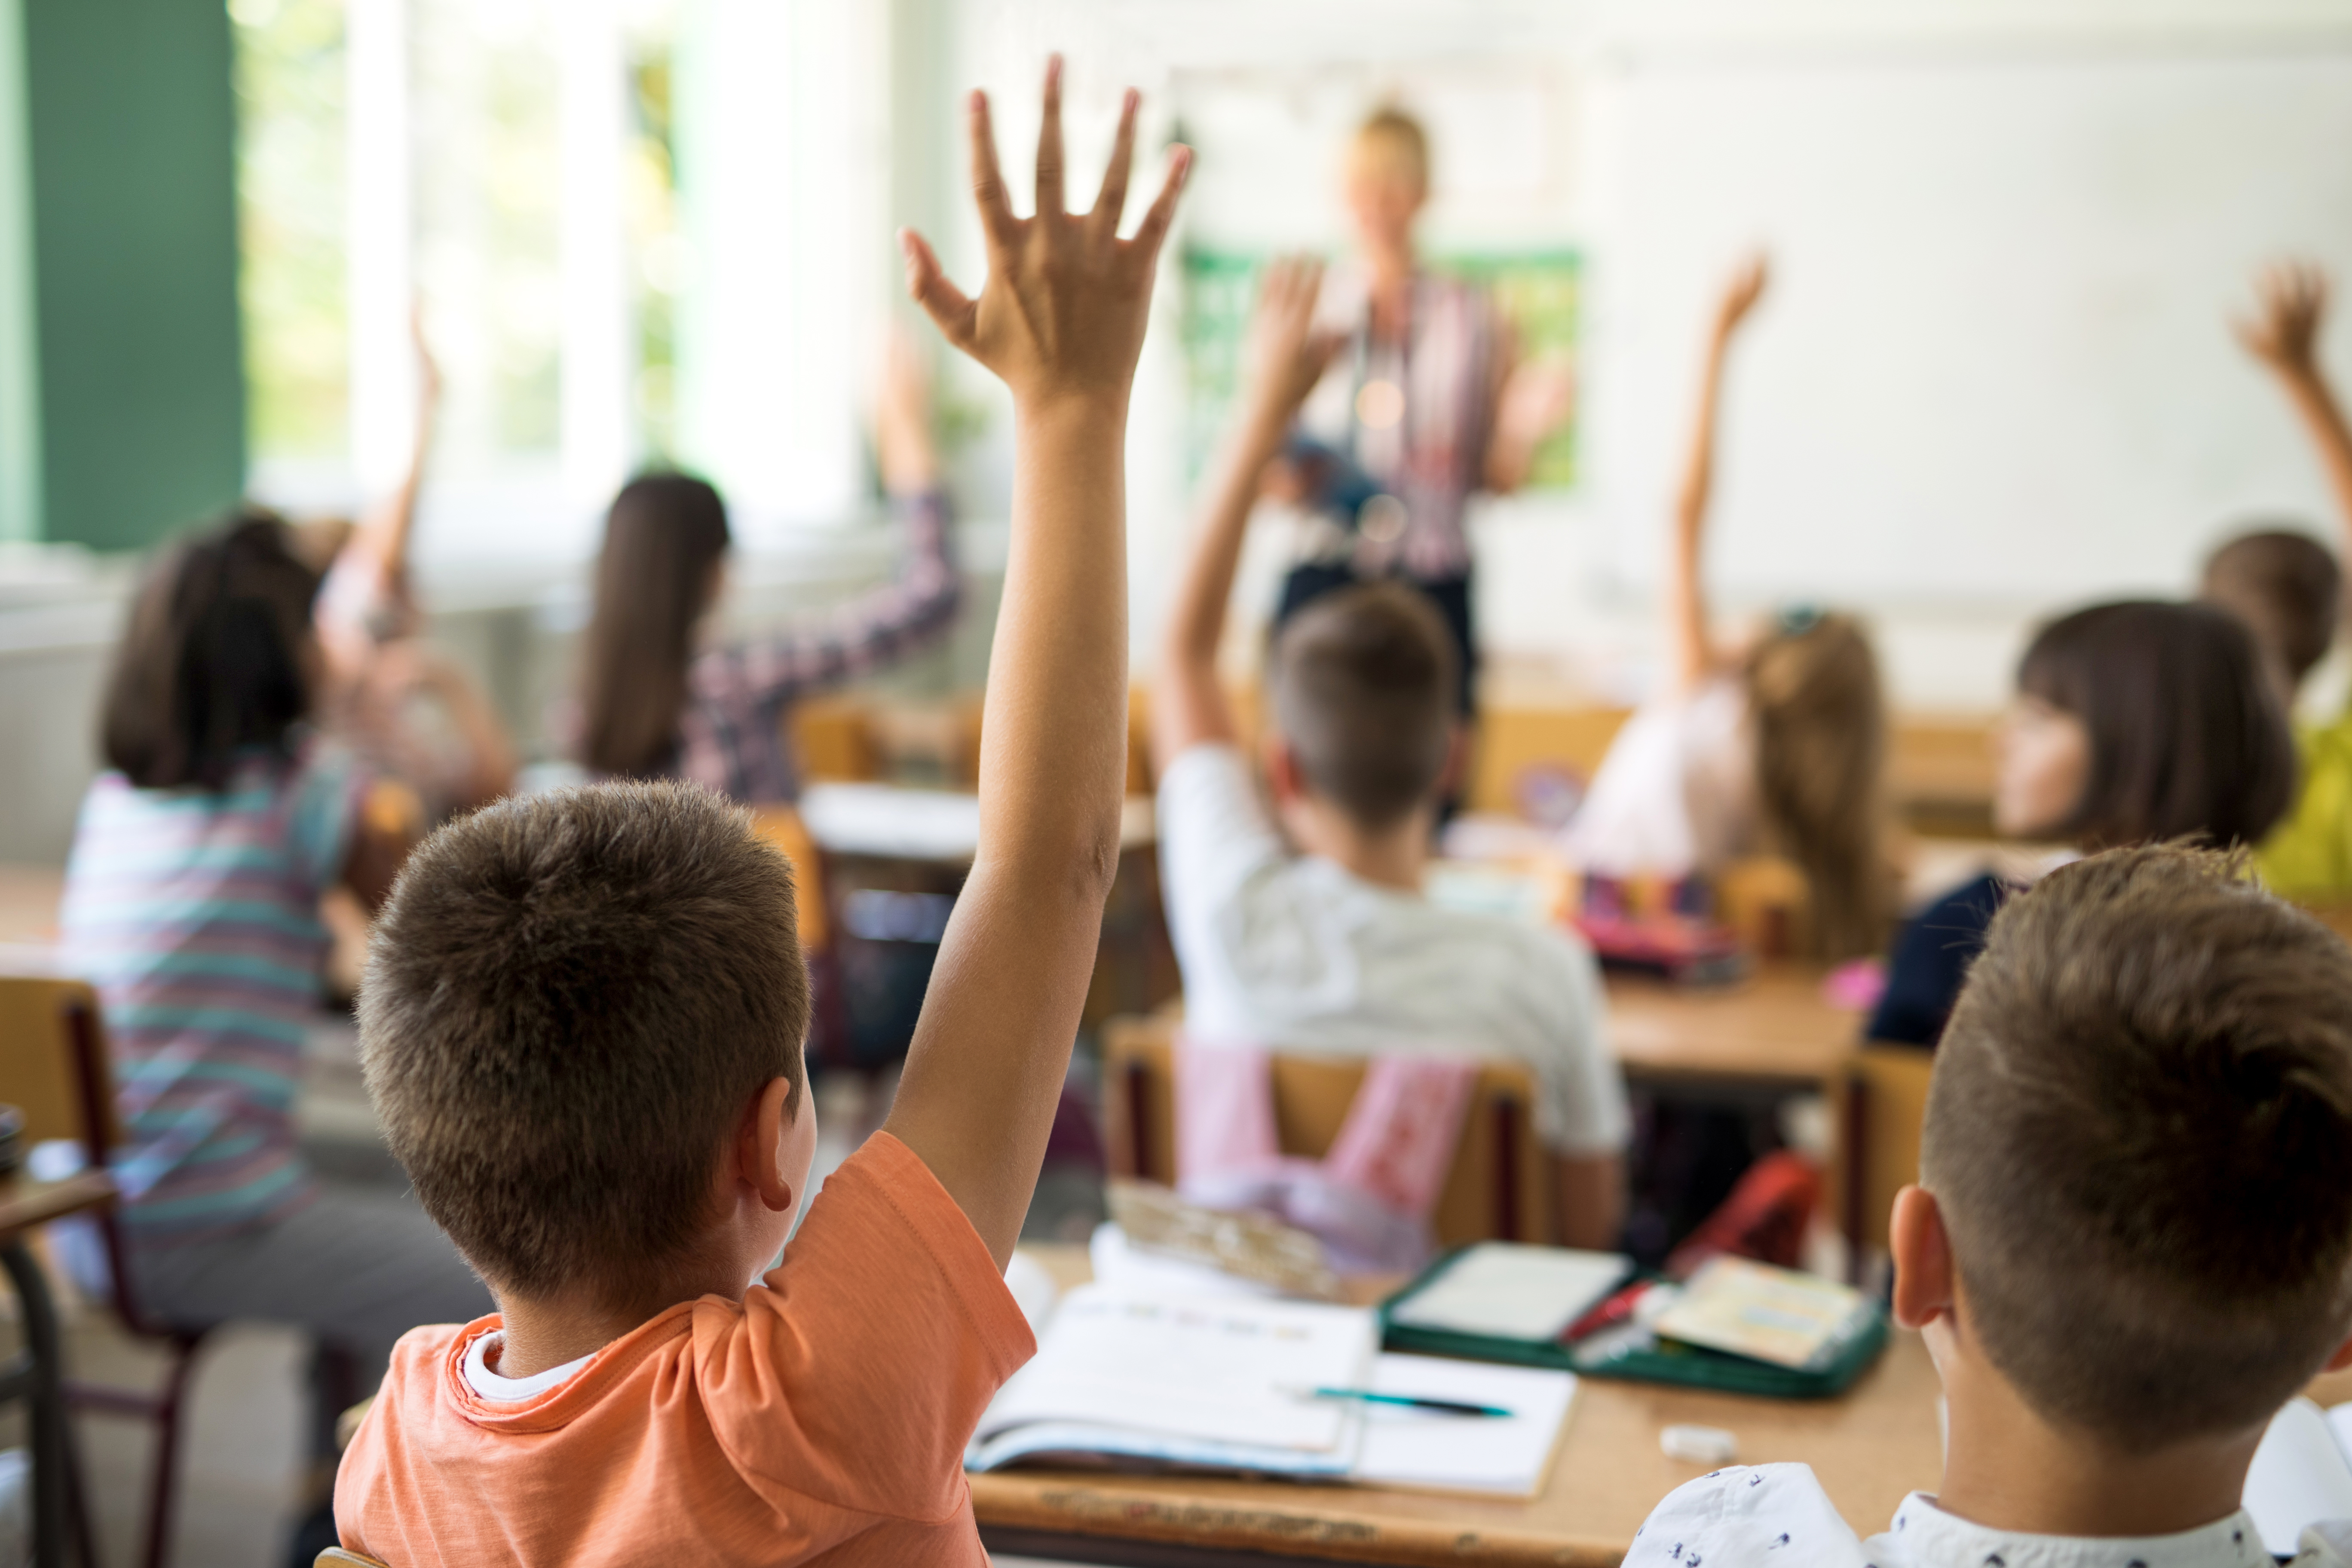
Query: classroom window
{"type": "Point", "coordinates": [507, 168]}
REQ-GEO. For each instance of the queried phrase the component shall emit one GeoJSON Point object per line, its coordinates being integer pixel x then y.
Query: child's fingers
{"type": "Point", "coordinates": [1162, 212]}
{"type": "Point", "coordinates": [1049, 142]}
{"type": "Point", "coordinates": [1112, 199]}
{"type": "Point", "coordinates": [949, 307]}
{"type": "Point", "coordinates": [987, 177]}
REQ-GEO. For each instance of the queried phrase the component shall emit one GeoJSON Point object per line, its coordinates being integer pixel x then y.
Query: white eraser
{"type": "Point", "coordinates": [1699, 1445]}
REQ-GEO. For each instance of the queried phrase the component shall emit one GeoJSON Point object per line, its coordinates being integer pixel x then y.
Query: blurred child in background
{"type": "Point", "coordinates": [1778, 745]}
{"type": "Point", "coordinates": [2135, 722]}
{"type": "Point", "coordinates": [2288, 588]}
{"type": "Point", "coordinates": [652, 706]}
{"type": "Point", "coordinates": [382, 682]}
{"type": "Point", "coordinates": [192, 902]}
{"type": "Point", "coordinates": [1332, 948]}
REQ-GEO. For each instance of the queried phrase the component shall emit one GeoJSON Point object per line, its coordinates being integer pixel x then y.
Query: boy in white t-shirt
{"type": "Point", "coordinates": [2131, 1244]}
{"type": "Point", "coordinates": [1335, 949]}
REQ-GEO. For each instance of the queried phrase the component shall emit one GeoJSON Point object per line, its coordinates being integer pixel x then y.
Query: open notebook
{"type": "Point", "coordinates": [2302, 1473]}
{"type": "Point", "coordinates": [1144, 1381]}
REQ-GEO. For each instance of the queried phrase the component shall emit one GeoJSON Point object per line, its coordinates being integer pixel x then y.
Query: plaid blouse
{"type": "Point", "coordinates": [732, 735]}
{"type": "Point", "coordinates": [1432, 456]}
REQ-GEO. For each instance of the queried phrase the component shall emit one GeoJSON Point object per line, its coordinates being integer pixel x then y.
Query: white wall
{"type": "Point", "coordinates": [1993, 377]}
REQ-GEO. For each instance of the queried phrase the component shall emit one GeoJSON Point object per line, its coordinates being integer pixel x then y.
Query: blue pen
{"type": "Point", "coordinates": [1410, 1402]}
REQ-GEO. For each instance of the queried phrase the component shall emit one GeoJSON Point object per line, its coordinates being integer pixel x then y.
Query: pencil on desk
{"type": "Point", "coordinates": [1408, 1401]}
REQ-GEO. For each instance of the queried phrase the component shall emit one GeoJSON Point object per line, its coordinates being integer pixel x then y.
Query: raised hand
{"type": "Point", "coordinates": [1537, 399]}
{"type": "Point", "coordinates": [2292, 297]}
{"type": "Point", "coordinates": [1286, 353]}
{"type": "Point", "coordinates": [1063, 311]}
{"type": "Point", "coordinates": [902, 421]}
{"type": "Point", "coordinates": [1740, 292]}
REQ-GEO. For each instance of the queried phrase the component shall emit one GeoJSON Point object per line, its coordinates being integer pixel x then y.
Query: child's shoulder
{"type": "Point", "coordinates": [1764, 1516]}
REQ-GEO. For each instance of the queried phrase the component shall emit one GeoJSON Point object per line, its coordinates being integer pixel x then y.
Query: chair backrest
{"type": "Point", "coordinates": [53, 1062]}
{"type": "Point", "coordinates": [1882, 1107]}
{"type": "Point", "coordinates": [1497, 1188]}
{"type": "Point", "coordinates": [782, 826]}
{"type": "Point", "coordinates": [336, 1557]}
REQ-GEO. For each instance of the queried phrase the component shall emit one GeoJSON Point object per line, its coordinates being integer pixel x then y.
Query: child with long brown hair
{"type": "Point", "coordinates": [653, 706]}
{"type": "Point", "coordinates": [1780, 745]}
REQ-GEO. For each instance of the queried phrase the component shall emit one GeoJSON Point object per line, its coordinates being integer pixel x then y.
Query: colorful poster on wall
{"type": "Point", "coordinates": [1538, 291]}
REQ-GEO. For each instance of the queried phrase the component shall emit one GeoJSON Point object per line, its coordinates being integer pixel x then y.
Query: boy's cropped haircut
{"type": "Point", "coordinates": [570, 1001]}
{"type": "Point", "coordinates": [2139, 1133]}
{"type": "Point", "coordinates": [2287, 586]}
{"type": "Point", "coordinates": [1362, 681]}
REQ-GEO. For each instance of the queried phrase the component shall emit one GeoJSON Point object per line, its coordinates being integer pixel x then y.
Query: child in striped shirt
{"type": "Point", "coordinates": [191, 903]}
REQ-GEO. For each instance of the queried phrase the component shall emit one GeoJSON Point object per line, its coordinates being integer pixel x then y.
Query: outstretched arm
{"type": "Point", "coordinates": [1533, 398]}
{"type": "Point", "coordinates": [868, 633]}
{"type": "Point", "coordinates": [1060, 320]}
{"type": "Point", "coordinates": [1286, 357]}
{"type": "Point", "coordinates": [1689, 642]}
{"type": "Point", "coordinates": [2286, 337]}
{"type": "Point", "coordinates": [367, 598]}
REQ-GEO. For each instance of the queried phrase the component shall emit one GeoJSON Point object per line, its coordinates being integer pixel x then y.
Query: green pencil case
{"type": "Point", "coordinates": [1632, 1354]}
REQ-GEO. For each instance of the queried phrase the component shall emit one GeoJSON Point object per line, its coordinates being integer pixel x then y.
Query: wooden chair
{"type": "Point", "coordinates": [336, 1557]}
{"type": "Point", "coordinates": [53, 1059]}
{"type": "Point", "coordinates": [782, 826]}
{"type": "Point", "coordinates": [1499, 1187]}
{"type": "Point", "coordinates": [1881, 1106]}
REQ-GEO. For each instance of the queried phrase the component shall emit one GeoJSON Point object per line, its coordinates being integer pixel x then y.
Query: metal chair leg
{"type": "Point", "coordinates": [41, 1384]}
{"type": "Point", "coordinates": [162, 1490]}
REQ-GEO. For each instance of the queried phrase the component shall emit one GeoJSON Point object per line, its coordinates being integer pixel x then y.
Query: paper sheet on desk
{"type": "Point", "coordinates": [1207, 1368]}
{"type": "Point", "coordinates": [1503, 1455]}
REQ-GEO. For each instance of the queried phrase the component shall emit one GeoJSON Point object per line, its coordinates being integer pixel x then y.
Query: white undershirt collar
{"type": "Point", "coordinates": [489, 1384]}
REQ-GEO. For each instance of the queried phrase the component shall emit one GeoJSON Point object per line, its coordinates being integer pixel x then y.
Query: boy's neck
{"type": "Point", "coordinates": [541, 1335]}
{"type": "Point", "coordinates": [2006, 1469]}
{"type": "Point", "coordinates": [1391, 857]}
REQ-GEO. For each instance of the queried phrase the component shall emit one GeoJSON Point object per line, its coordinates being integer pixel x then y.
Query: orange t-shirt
{"type": "Point", "coordinates": [821, 1419]}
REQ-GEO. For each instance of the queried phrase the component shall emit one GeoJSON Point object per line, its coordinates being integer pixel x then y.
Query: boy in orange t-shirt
{"type": "Point", "coordinates": [582, 1022]}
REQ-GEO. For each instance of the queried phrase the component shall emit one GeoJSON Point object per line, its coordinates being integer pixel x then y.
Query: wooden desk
{"type": "Point", "coordinates": [1772, 1029]}
{"type": "Point", "coordinates": [1871, 1447]}
{"type": "Point", "coordinates": [27, 1204]}
{"type": "Point", "coordinates": [35, 1374]}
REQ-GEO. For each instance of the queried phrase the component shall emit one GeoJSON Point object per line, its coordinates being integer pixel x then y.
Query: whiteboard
{"type": "Point", "coordinates": [1994, 367]}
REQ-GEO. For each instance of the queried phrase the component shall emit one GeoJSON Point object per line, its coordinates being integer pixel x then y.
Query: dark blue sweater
{"type": "Point", "coordinates": [1931, 958]}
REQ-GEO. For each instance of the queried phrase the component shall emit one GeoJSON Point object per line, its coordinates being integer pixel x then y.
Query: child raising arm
{"type": "Point", "coordinates": [1060, 320]}
{"type": "Point", "coordinates": [2288, 589]}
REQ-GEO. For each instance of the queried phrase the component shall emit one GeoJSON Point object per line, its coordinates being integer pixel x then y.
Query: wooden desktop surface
{"type": "Point", "coordinates": [1870, 1446]}
{"type": "Point", "coordinates": [25, 1204]}
{"type": "Point", "coordinates": [1773, 1028]}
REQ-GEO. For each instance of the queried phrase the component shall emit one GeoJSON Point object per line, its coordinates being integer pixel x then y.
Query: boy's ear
{"type": "Point", "coordinates": [2341, 1359]}
{"type": "Point", "coordinates": [759, 1145]}
{"type": "Point", "coordinates": [1450, 778]}
{"type": "Point", "coordinates": [1925, 1280]}
{"type": "Point", "coordinates": [1282, 774]}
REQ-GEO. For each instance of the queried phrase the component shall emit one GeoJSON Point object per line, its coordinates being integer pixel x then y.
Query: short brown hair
{"type": "Point", "coordinates": [212, 665]}
{"type": "Point", "coordinates": [1362, 681]}
{"type": "Point", "coordinates": [2139, 1133]}
{"type": "Point", "coordinates": [569, 1001]}
{"type": "Point", "coordinates": [2287, 588]}
{"type": "Point", "coordinates": [2188, 738]}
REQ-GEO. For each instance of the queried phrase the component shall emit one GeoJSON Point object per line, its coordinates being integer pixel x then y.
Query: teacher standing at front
{"type": "Point", "coordinates": [1426, 401]}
